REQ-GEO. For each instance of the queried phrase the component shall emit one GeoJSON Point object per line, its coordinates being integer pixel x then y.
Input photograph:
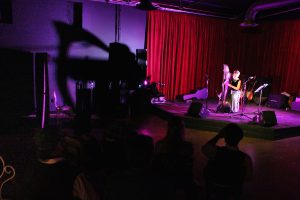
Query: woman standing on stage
{"type": "Point", "coordinates": [235, 85]}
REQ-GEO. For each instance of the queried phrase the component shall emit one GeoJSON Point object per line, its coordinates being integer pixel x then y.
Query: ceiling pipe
{"type": "Point", "coordinates": [252, 11]}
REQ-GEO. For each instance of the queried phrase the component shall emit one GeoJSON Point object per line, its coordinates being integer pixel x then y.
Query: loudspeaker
{"type": "Point", "coordinates": [83, 109]}
{"type": "Point", "coordinates": [197, 109]}
{"type": "Point", "coordinates": [16, 83]}
{"type": "Point", "coordinates": [141, 58]}
{"type": "Point", "coordinates": [277, 101]}
{"type": "Point", "coordinates": [269, 118]}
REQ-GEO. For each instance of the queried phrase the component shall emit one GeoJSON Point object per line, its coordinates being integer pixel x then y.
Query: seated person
{"type": "Point", "coordinates": [227, 166]}
{"type": "Point", "coordinates": [173, 160]}
{"type": "Point", "coordinates": [50, 176]}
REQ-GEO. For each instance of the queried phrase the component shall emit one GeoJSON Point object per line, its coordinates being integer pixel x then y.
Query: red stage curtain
{"type": "Point", "coordinates": [183, 49]}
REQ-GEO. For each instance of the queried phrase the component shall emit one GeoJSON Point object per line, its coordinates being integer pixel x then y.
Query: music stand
{"type": "Point", "coordinates": [242, 114]}
{"type": "Point", "coordinates": [258, 114]}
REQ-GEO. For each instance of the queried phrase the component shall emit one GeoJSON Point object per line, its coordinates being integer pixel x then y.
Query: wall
{"type": "Point", "coordinates": [32, 30]}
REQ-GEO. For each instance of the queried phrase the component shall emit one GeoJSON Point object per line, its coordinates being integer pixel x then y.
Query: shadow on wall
{"type": "Point", "coordinates": [120, 72]}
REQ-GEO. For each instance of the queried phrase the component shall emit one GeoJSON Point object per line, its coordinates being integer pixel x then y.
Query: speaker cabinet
{"type": "Point", "coordinates": [141, 58]}
{"type": "Point", "coordinates": [16, 83]}
{"type": "Point", "coordinates": [277, 101]}
{"type": "Point", "coordinates": [269, 118]}
{"type": "Point", "coordinates": [197, 109]}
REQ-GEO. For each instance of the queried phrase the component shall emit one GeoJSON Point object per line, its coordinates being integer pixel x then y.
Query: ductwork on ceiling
{"type": "Point", "coordinates": [241, 9]}
{"type": "Point", "coordinates": [252, 11]}
{"type": "Point", "coordinates": [145, 5]}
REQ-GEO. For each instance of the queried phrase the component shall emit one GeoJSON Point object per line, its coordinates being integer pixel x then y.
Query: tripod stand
{"type": "Point", "coordinates": [242, 114]}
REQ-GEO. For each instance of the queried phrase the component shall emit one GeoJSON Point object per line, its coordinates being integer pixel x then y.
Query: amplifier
{"type": "Point", "coordinates": [277, 101]}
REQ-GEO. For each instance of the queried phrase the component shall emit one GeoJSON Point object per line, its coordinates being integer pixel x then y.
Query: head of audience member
{"type": "Point", "coordinates": [175, 131]}
{"type": "Point", "coordinates": [233, 134]}
{"type": "Point", "coordinates": [139, 151]}
{"type": "Point", "coordinates": [47, 143]}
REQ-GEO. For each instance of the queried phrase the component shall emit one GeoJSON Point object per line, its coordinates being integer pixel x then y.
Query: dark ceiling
{"type": "Point", "coordinates": [237, 9]}
{"type": "Point", "coordinates": [220, 8]}
{"type": "Point", "coordinates": [256, 10]}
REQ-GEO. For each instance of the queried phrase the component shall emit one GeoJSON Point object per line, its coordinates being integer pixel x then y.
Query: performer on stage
{"type": "Point", "coordinates": [223, 105]}
{"type": "Point", "coordinates": [235, 85]}
{"type": "Point", "coordinates": [226, 78]}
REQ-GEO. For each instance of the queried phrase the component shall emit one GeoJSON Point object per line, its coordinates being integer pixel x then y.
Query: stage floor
{"type": "Point", "coordinates": [288, 122]}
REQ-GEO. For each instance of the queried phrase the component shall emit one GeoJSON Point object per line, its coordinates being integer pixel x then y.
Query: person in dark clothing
{"type": "Point", "coordinates": [173, 161]}
{"type": "Point", "coordinates": [50, 181]}
{"type": "Point", "coordinates": [134, 182]}
{"type": "Point", "coordinates": [227, 167]}
{"type": "Point", "coordinates": [49, 176]}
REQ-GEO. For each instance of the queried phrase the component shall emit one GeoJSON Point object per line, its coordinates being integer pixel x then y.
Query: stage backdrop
{"type": "Point", "coordinates": [185, 49]}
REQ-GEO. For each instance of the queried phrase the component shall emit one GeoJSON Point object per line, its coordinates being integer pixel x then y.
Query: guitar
{"type": "Point", "coordinates": [249, 94]}
{"type": "Point", "coordinates": [291, 99]}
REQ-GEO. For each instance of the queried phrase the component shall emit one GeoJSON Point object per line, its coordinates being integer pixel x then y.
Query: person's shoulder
{"type": "Point", "coordinates": [187, 147]}
{"type": "Point", "coordinates": [247, 157]}
{"type": "Point", "coordinates": [158, 147]}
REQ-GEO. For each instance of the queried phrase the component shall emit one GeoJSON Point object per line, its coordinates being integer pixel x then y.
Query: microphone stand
{"type": "Point", "coordinates": [206, 104]}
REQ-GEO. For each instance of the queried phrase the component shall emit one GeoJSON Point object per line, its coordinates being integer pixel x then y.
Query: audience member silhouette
{"type": "Point", "coordinates": [113, 145]}
{"type": "Point", "coordinates": [49, 177]}
{"type": "Point", "coordinates": [82, 151]}
{"type": "Point", "coordinates": [134, 181]}
{"type": "Point", "coordinates": [227, 167]}
{"type": "Point", "coordinates": [52, 176]}
{"type": "Point", "coordinates": [173, 160]}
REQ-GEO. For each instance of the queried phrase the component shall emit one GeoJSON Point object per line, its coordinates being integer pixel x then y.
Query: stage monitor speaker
{"type": "Point", "coordinates": [269, 118]}
{"type": "Point", "coordinates": [197, 109]}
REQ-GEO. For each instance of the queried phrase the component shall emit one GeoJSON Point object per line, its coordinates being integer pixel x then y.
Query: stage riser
{"type": "Point", "coordinates": [288, 125]}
